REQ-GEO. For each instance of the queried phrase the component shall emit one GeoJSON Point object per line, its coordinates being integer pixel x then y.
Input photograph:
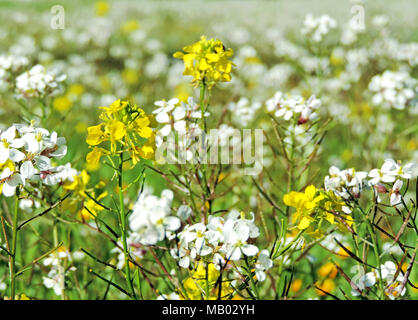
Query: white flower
{"type": "Point", "coordinates": [345, 182]}
{"type": "Point", "coordinates": [365, 281]}
{"type": "Point", "coordinates": [263, 263]}
{"type": "Point", "coordinates": [37, 82]}
{"type": "Point", "coordinates": [388, 270]}
{"type": "Point", "coordinates": [236, 234]}
{"type": "Point", "coordinates": [10, 180]}
{"type": "Point", "coordinates": [184, 212]}
{"type": "Point", "coordinates": [393, 89]}
{"type": "Point", "coordinates": [395, 194]}
{"type": "Point", "coordinates": [54, 281]}
{"type": "Point", "coordinates": [164, 108]}
{"type": "Point", "coordinates": [9, 146]}
{"type": "Point", "coordinates": [28, 205]}
{"type": "Point", "coordinates": [316, 28]}
{"type": "Point", "coordinates": [243, 111]}
{"type": "Point", "coordinates": [289, 106]}
{"type": "Point", "coordinates": [151, 217]}
{"type": "Point", "coordinates": [386, 174]}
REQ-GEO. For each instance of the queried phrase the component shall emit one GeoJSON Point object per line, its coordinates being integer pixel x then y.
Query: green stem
{"type": "Point", "coordinates": [376, 253]}
{"type": "Point", "coordinates": [202, 106]}
{"type": "Point", "coordinates": [124, 231]}
{"type": "Point", "coordinates": [250, 274]}
{"type": "Point", "coordinates": [13, 251]}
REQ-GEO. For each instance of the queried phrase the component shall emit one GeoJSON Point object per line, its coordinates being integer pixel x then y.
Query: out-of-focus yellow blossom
{"type": "Point", "coordinates": [79, 185]}
{"type": "Point", "coordinates": [315, 208]}
{"type": "Point", "coordinates": [130, 76]}
{"type": "Point", "coordinates": [102, 8]}
{"type": "Point", "coordinates": [128, 129]}
{"type": "Point", "coordinates": [196, 285]}
{"type": "Point", "coordinates": [327, 285]}
{"type": "Point", "coordinates": [347, 155]}
{"type": "Point", "coordinates": [207, 61]}
{"type": "Point", "coordinates": [80, 127]}
{"type": "Point", "coordinates": [129, 26]}
{"type": "Point", "coordinates": [76, 89]}
{"type": "Point", "coordinates": [62, 103]}
{"type": "Point", "coordinates": [81, 203]}
{"type": "Point", "coordinates": [91, 208]}
{"type": "Point", "coordinates": [328, 270]}
{"type": "Point", "coordinates": [342, 253]}
{"type": "Point", "coordinates": [296, 285]}
{"type": "Point", "coordinates": [412, 144]}
{"type": "Point", "coordinates": [336, 60]}
{"type": "Point", "coordinates": [182, 92]}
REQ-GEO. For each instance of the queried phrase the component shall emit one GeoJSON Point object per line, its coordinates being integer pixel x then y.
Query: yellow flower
{"type": "Point", "coordinates": [296, 285]}
{"type": "Point", "coordinates": [102, 8]}
{"type": "Point", "coordinates": [76, 89]}
{"type": "Point", "coordinates": [207, 61]}
{"type": "Point", "coordinates": [115, 107]}
{"type": "Point", "coordinates": [62, 103]}
{"type": "Point", "coordinates": [95, 135]}
{"type": "Point", "coordinates": [327, 285]}
{"type": "Point", "coordinates": [328, 270]}
{"type": "Point", "coordinates": [91, 207]}
{"type": "Point", "coordinates": [117, 131]}
{"type": "Point", "coordinates": [313, 207]}
{"type": "Point", "coordinates": [128, 129]}
{"type": "Point", "coordinates": [195, 285]}
{"type": "Point", "coordinates": [79, 184]}
{"type": "Point", "coordinates": [130, 76]}
{"type": "Point", "coordinates": [93, 157]}
{"type": "Point", "coordinates": [129, 26]}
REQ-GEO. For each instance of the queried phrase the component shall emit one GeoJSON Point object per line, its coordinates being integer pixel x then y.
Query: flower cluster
{"type": "Point", "coordinates": [25, 156]}
{"type": "Point", "coordinates": [220, 241]}
{"type": "Point", "coordinates": [243, 111]}
{"type": "Point", "coordinates": [393, 89]}
{"type": "Point", "coordinates": [84, 201]}
{"type": "Point", "coordinates": [393, 281]}
{"type": "Point", "coordinates": [124, 125]}
{"type": "Point", "coordinates": [316, 207]}
{"type": "Point", "coordinates": [178, 117]}
{"type": "Point", "coordinates": [195, 285]}
{"type": "Point", "coordinates": [317, 28]}
{"type": "Point", "coordinates": [290, 107]}
{"type": "Point", "coordinates": [38, 82]}
{"type": "Point", "coordinates": [207, 61]}
{"type": "Point", "coordinates": [151, 218]}
{"type": "Point", "coordinates": [345, 182]}
{"type": "Point", "coordinates": [349, 183]}
{"type": "Point", "coordinates": [9, 66]}
{"type": "Point", "coordinates": [180, 128]}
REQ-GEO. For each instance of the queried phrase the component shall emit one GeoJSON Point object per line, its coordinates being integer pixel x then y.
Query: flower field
{"type": "Point", "coordinates": [208, 150]}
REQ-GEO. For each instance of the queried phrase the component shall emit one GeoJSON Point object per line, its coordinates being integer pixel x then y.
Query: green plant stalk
{"type": "Point", "coordinates": [250, 274]}
{"type": "Point", "coordinates": [124, 231]}
{"type": "Point", "coordinates": [376, 253]}
{"type": "Point", "coordinates": [204, 129]}
{"type": "Point", "coordinates": [202, 106]}
{"type": "Point", "coordinates": [13, 251]}
{"type": "Point", "coordinates": [290, 173]}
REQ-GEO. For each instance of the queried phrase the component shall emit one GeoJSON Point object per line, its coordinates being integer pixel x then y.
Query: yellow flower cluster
{"type": "Point", "coordinates": [207, 61]}
{"type": "Point", "coordinates": [196, 285]}
{"type": "Point", "coordinates": [315, 208]}
{"type": "Point", "coordinates": [80, 202]}
{"type": "Point", "coordinates": [128, 129]}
